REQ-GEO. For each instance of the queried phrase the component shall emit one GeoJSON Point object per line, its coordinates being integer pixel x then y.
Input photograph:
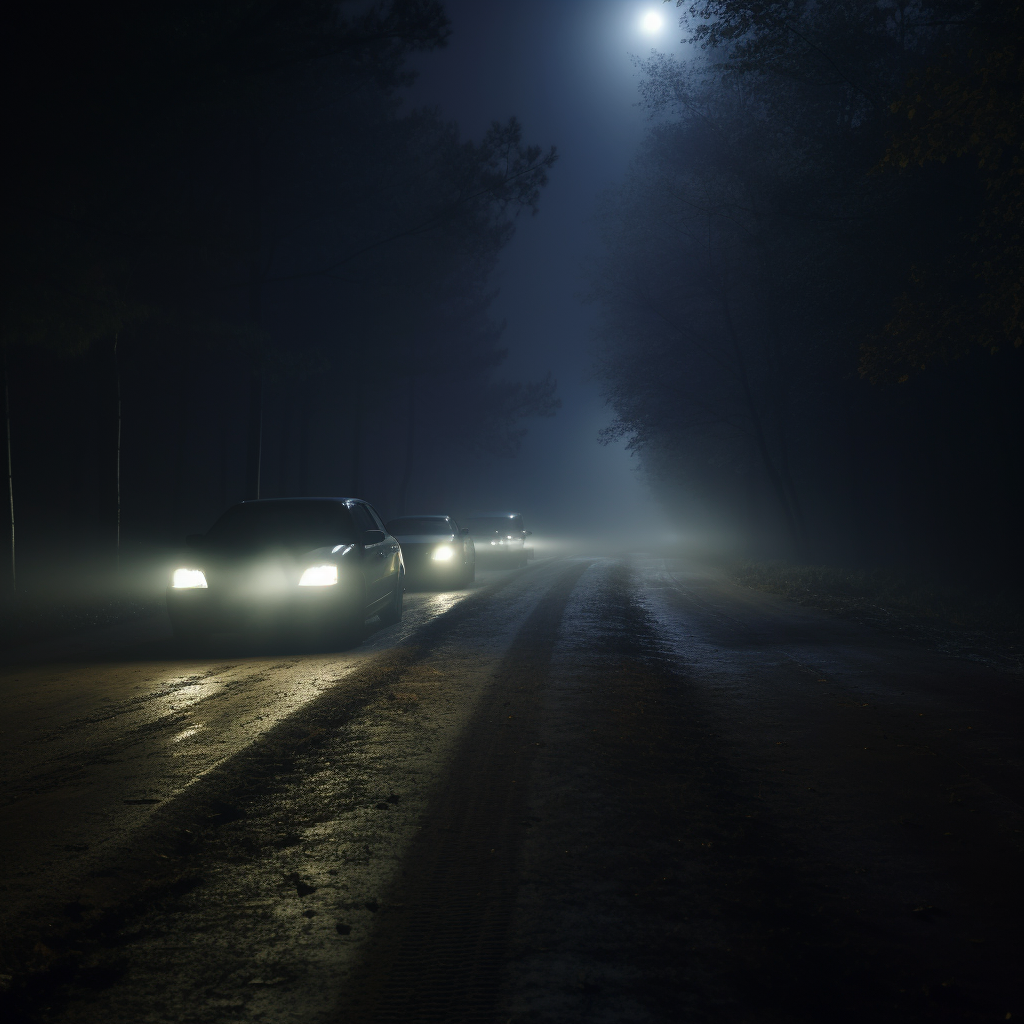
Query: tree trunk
{"type": "Point", "coordinates": [10, 468]}
{"type": "Point", "coordinates": [357, 427]}
{"type": "Point", "coordinates": [225, 436]}
{"type": "Point", "coordinates": [303, 484]}
{"type": "Point", "coordinates": [106, 395]}
{"type": "Point", "coordinates": [284, 482]}
{"type": "Point", "coordinates": [757, 427]}
{"type": "Point", "coordinates": [794, 497]}
{"type": "Point", "coordinates": [254, 422]}
{"type": "Point", "coordinates": [410, 448]}
{"type": "Point", "coordinates": [117, 466]}
{"type": "Point", "coordinates": [254, 431]}
{"type": "Point", "coordinates": [780, 377]}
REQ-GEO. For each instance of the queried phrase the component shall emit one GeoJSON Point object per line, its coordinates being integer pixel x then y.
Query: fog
{"type": "Point", "coordinates": [580, 93]}
{"type": "Point", "coordinates": [496, 491]}
{"type": "Point", "coordinates": [517, 257]}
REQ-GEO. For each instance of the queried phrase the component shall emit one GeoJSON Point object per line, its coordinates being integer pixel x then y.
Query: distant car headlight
{"type": "Point", "coordinates": [188, 579]}
{"type": "Point", "coordinates": [443, 554]}
{"type": "Point", "coordinates": [319, 576]}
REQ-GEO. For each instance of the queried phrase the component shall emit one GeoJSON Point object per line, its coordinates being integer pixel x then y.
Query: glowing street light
{"type": "Point", "coordinates": [652, 22]}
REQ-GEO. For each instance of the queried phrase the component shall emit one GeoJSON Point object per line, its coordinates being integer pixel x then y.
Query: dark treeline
{"type": "Point", "coordinates": [811, 292]}
{"type": "Point", "coordinates": [235, 264]}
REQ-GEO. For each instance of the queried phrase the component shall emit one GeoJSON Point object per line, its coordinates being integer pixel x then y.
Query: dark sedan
{"type": "Point", "coordinates": [436, 549]}
{"type": "Point", "coordinates": [323, 563]}
{"type": "Point", "coordinates": [501, 537]}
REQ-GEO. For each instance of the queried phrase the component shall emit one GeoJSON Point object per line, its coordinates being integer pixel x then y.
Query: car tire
{"type": "Point", "coordinates": [469, 574]}
{"type": "Point", "coordinates": [392, 614]}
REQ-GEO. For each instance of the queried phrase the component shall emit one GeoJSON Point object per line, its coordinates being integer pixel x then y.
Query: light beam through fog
{"type": "Point", "coordinates": [583, 98]}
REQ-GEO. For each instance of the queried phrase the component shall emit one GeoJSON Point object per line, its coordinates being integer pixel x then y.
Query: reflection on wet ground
{"type": "Point", "coordinates": [684, 799]}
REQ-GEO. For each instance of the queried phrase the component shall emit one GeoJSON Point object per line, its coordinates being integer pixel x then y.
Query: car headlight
{"type": "Point", "coordinates": [188, 579]}
{"type": "Point", "coordinates": [319, 576]}
{"type": "Point", "coordinates": [443, 554]}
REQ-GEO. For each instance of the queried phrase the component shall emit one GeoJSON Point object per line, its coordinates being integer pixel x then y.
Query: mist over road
{"type": "Point", "coordinates": [598, 788]}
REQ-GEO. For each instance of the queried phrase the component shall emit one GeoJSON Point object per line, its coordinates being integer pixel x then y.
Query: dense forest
{"type": "Point", "coordinates": [237, 263]}
{"type": "Point", "coordinates": [811, 287]}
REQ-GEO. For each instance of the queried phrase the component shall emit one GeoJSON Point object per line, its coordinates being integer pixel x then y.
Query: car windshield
{"type": "Point", "coordinates": [409, 525]}
{"type": "Point", "coordinates": [496, 524]}
{"type": "Point", "coordinates": [295, 525]}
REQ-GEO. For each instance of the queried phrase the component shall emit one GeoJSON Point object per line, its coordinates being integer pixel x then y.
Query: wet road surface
{"type": "Point", "coordinates": [595, 789]}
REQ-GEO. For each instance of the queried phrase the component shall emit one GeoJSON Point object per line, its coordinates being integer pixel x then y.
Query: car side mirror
{"type": "Point", "coordinates": [528, 533]}
{"type": "Point", "coordinates": [194, 540]}
{"type": "Point", "coordinates": [464, 531]}
{"type": "Point", "coordinates": [374, 536]}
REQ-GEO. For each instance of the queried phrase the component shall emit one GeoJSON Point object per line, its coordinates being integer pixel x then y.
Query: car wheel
{"type": "Point", "coordinates": [393, 612]}
{"type": "Point", "coordinates": [469, 575]}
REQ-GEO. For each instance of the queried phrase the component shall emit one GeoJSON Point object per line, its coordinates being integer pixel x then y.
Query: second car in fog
{"type": "Point", "coordinates": [501, 537]}
{"type": "Point", "coordinates": [435, 549]}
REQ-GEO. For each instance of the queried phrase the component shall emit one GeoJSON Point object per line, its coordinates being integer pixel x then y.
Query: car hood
{"type": "Point", "coordinates": [267, 570]}
{"type": "Point", "coordinates": [265, 552]}
{"type": "Point", "coordinates": [425, 538]}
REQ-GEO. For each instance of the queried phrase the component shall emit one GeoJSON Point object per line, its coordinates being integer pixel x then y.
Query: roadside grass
{"type": "Point", "coordinates": [986, 617]}
{"type": "Point", "coordinates": [28, 618]}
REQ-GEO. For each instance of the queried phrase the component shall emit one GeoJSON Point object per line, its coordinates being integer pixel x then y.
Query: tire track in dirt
{"type": "Point", "coordinates": [663, 885]}
{"type": "Point", "coordinates": [438, 950]}
{"type": "Point", "coordinates": [47, 958]}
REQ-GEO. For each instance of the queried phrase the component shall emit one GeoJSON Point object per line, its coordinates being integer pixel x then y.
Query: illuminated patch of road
{"type": "Point", "coordinates": [187, 734]}
{"type": "Point", "coordinates": [297, 836]}
{"type": "Point", "coordinates": [90, 750]}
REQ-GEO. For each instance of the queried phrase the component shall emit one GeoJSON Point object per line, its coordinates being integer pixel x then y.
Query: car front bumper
{"type": "Point", "coordinates": [216, 611]}
{"type": "Point", "coordinates": [420, 562]}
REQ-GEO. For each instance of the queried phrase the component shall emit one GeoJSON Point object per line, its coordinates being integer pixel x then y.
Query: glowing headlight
{"type": "Point", "coordinates": [319, 576]}
{"type": "Point", "coordinates": [442, 554]}
{"type": "Point", "coordinates": [189, 579]}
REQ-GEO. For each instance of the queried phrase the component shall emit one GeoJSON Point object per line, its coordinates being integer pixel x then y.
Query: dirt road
{"type": "Point", "coordinates": [591, 790]}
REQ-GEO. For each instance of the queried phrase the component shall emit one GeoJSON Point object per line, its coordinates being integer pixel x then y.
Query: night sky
{"type": "Point", "coordinates": [565, 69]}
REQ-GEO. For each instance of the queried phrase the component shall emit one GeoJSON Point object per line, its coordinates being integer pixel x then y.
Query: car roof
{"type": "Point", "coordinates": [295, 501]}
